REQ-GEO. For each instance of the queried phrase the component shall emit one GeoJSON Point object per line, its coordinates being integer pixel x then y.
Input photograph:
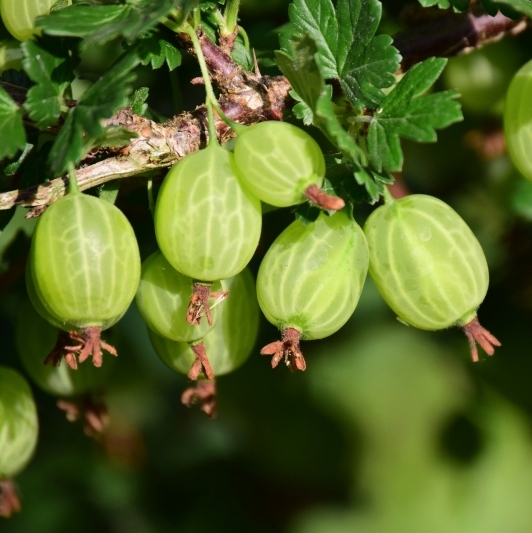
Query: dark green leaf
{"type": "Point", "coordinates": [156, 50]}
{"type": "Point", "coordinates": [304, 73]}
{"type": "Point", "coordinates": [99, 101]}
{"type": "Point", "coordinates": [12, 135]}
{"type": "Point", "coordinates": [347, 46]}
{"type": "Point", "coordinates": [101, 23]}
{"type": "Point", "coordinates": [241, 55]}
{"type": "Point", "coordinates": [138, 101]}
{"type": "Point", "coordinates": [442, 4]}
{"type": "Point", "coordinates": [307, 213]}
{"type": "Point", "coordinates": [511, 8]}
{"type": "Point", "coordinates": [35, 170]}
{"type": "Point", "coordinates": [407, 112]}
{"type": "Point", "coordinates": [109, 191]}
{"type": "Point", "coordinates": [50, 65]}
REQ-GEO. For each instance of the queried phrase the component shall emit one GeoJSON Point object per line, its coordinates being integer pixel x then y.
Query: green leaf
{"type": "Point", "coordinates": [347, 46]}
{"type": "Point", "coordinates": [101, 23]}
{"type": "Point", "coordinates": [109, 191]}
{"type": "Point", "coordinates": [50, 65]}
{"type": "Point", "coordinates": [315, 106]}
{"type": "Point", "coordinates": [307, 213]}
{"type": "Point", "coordinates": [113, 136]}
{"type": "Point", "coordinates": [511, 8]}
{"type": "Point", "coordinates": [442, 4]}
{"type": "Point", "coordinates": [138, 101]}
{"type": "Point", "coordinates": [408, 112]}
{"type": "Point", "coordinates": [304, 73]}
{"type": "Point", "coordinates": [157, 50]}
{"type": "Point", "coordinates": [12, 135]}
{"type": "Point", "coordinates": [100, 101]}
{"type": "Point", "coordinates": [241, 55]}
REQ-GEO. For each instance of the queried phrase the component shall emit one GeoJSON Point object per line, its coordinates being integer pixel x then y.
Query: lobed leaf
{"type": "Point", "coordinates": [315, 107]}
{"type": "Point", "coordinates": [100, 101]}
{"type": "Point", "coordinates": [347, 46]}
{"type": "Point", "coordinates": [12, 135]}
{"type": "Point", "coordinates": [407, 112]}
{"type": "Point", "coordinates": [101, 23]}
{"type": "Point", "coordinates": [50, 65]}
{"type": "Point", "coordinates": [156, 50]}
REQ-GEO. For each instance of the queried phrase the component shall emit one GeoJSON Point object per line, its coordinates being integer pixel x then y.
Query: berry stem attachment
{"type": "Point", "coordinates": [388, 198]}
{"type": "Point", "coordinates": [287, 348]}
{"type": "Point", "coordinates": [92, 345]}
{"type": "Point", "coordinates": [73, 187]}
{"type": "Point", "coordinates": [9, 502]}
{"type": "Point", "coordinates": [94, 414]}
{"type": "Point", "coordinates": [203, 394]}
{"type": "Point", "coordinates": [475, 333]}
{"type": "Point", "coordinates": [63, 349]}
{"type": "Point", "coordinates": [201, 363]}
{"type": "Point", "coordinates": [322, 199]}
{"type": "Point", "coordinates": [199, 305]}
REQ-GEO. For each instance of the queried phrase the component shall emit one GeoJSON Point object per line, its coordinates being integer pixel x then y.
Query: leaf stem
{"type": "Point", "coordinates": [231, 14]}
{"type": "Point", "coordinates": [242, 32]}
{"type": "Point", "coordinates": [210, 96]}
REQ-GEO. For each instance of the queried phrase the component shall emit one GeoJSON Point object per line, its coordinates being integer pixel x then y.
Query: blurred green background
{"type": "Point", "coordinates": [390, 429]}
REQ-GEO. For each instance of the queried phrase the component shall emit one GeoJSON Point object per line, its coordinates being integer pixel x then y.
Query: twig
{"type": "Point", "coordinates": [454, 33]}
{"type": "Point", "coordinates": [245, 98]}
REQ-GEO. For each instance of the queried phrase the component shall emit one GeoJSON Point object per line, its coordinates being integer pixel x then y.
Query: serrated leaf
{"type": "Point", "coordinates": [347, 46]}
{"type": "Point", "coordinates": [304, 73]}
{"type": "Point", "coordinates": [241, 55]}
{"type": "Point", "coordinates": [50, 65]}
{"type": "Point", "coordinates": [100, 101]}
{"type": "Point", "coordinates": [407, 112]}
{"type": "Point", "coordinates": [12, 134]}
{"type": "Point", "coordinates": [156, 50]}
{"type": "Point", "coordinates": [138, 101]}
{"type": "Point", "coordinates": [101, 23]}
{"type": "Point", "coordinates": [302, 110]}
{"type": "Point", "coordinates": [442, 4]}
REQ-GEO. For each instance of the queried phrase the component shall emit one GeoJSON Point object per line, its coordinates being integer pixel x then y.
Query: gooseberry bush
{"type": "Point", "coordinates": [313, 126]}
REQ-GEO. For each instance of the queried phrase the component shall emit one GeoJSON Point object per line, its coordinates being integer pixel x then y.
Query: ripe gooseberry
{"type": "Point", "coordinates": [163, 301]}
{"type": "Point", "coordinates": [85, 268]}
{"type": "Point", "coordinates": [429, 267]}
{"type": "Point", "coordinates": [206, 222]}
{"type": "Point", "coordinates": [76, 389]}
{"type": "Point", "coordinates": [229, 342]}
{"type": "Point", "coordinates": [309, 282]}
{"type": "Point", "coordinates": [19, 16]}
{"type": "Point", "coordinates": [19, 428]}
{"type": "Point", "coordinates": [518, 120]}
{"type": "Point", "coordinates": [282, 165]}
